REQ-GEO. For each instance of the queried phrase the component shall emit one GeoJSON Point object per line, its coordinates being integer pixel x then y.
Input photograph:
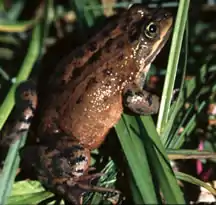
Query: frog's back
{"type": "Point", "coordinates": [91, 103]}
{"type": "Point", "coordinates": [85, 93]}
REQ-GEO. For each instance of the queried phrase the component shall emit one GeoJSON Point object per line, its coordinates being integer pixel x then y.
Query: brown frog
{"type": "Point", "coordinates": [85, 98]}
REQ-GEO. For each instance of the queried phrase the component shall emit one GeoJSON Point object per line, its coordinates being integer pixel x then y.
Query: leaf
{"type": "Point", "coordinates": [195, 181]}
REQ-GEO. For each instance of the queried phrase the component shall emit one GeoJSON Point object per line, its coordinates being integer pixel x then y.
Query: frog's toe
{"type": "Point", "coordinates": [114, 197]}
{"type": "Point", "coordinates": [74, 195]}
{"type": "Point", "coordinates": [64, 170]}
{"type": "Point", "coordinates": [86, 185]}
{"type": "Point", "coordinates": [69, 191]}
{"type": "Point", "coordinates": [87, 179]}
{"type": "Point", "coordinates": [75, 190]}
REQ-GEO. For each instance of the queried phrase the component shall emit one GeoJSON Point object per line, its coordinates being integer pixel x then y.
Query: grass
{"type": "Point", "coordinates": [147, 143]}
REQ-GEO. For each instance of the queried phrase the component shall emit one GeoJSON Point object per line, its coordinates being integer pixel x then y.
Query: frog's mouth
{"type": "Point", "coordinates": [156, 51]}
{"type": "Point", "coordinates": [165, 23]}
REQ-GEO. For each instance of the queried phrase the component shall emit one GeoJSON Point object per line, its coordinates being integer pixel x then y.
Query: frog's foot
{"type": "Point", "coordinates": [114, 197]}
{"type": "Point", "coordinates": [26, 103]}
{"type": "Point", "coordinates": [141, 102]}
{"type": "Point", "coordinates": [84, 184]}
{"type": "Point", "coordinates": [63, 167]}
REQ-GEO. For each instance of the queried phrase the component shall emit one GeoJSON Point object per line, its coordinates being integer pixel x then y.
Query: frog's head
{"type": "Point", "coordinates": [148, 31]}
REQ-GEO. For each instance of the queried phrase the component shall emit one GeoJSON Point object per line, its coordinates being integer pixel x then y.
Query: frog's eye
{"type": "Point", "coordinates": [151, 30]}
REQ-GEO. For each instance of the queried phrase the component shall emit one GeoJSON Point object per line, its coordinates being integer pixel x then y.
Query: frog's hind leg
{"type": "Point", "coordinates": [26, 103]}
{"type": "Point", "coordinates": [59, 165]}
{"type": "Point", "coordinates": [63, 166]}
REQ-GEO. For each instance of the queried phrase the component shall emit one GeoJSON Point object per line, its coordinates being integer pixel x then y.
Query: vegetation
{"type": "Point", "coordinates": [35, 36]}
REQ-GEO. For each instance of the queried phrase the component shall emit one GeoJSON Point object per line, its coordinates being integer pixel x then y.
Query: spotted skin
{"type": "Point", "coordinates": [66, 168]}
{"type": "Point", "coordinates": [84, 99]}
{"type": "Point", "coordinates": [141, 102]}
{"type": "Point", "coordinates": [26, 103]}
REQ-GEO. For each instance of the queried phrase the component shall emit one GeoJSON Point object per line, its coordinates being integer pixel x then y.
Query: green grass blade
{"type": "Point", "coordinates": [17, 26]}
{"type": "Point", "coordinates": [28, 63]}
{"type": "Point", "coordinates": [12, 159]}
{"type": "Point", "coordinates": [92, 14]}
{"type": "Point", "coordinates": [127, 130]}
{"type": "Point", "coordinates": [15, 10]}
{"type": "Point", "coordinates": [176, 106]}
{"type": "Point", "coordinates": [192, 84]}
{"type": "Point", "coordinates": [172, 139]}
{"type": "Point", "coordinates": [8, 173]}
{"type": "Point", "coordinates": [78, 6]}
{"type": "Point", "coordinates": [172, 64]}
{"type": "Point", "coordinates": [11, 40]}
{"type": "Point", "coordinates": [175, 154]}
{"type": "Point", "coordinates": [107, 180]}
{"type": "Point", "coordinates": [195, 181]}
{"type": "Point", "coordinates": [30, 198]}
{"type": "Point", "coordinates": [160, 164]}
{"type": "Point", "coordinates": [2, 7]}
{"type": "Point", "coordinates": [178, 140]}
{"type": "Point", "coordinates": [136, 194]}
{"type": "Point", "coordinates": [4, 74]}
{"type": "Point", "coordinates": [28, 192]}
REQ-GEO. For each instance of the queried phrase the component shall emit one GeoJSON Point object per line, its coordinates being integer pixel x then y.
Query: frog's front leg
{"type": "Point", "coordinates": [63, 166]}
{"type": "Point", "coordinates": [140, 101]}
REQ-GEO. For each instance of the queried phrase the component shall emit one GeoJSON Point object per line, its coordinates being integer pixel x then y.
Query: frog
{"type": "Point", "coordinates": [86, 96]}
